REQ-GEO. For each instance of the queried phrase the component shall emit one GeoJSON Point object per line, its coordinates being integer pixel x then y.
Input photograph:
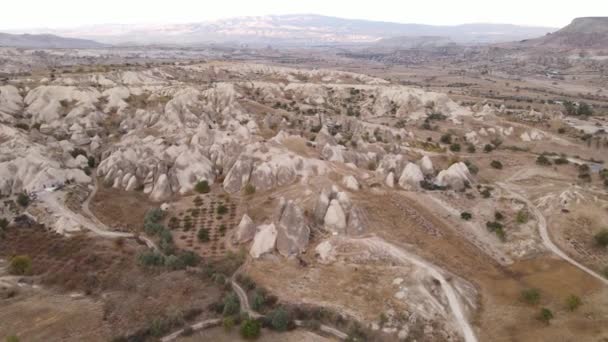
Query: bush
{"type": "Point", "coordinates": [154, 215]}
{"type": "Point", "coordinates": [151, 259]}
{"type": "Point", "coordinates": [12, 338]}
{"type": "Point", "coordinates": [189, 258]}
{"type": "Point", "coordinates": [3, 223]}
{"type": "Point", "coordinates": [446, 139]}
{"type": "Point", "coordinates": [496, 164]}
{"type": "Point", "coordinates": [250, 329]}
{"type": "Point", "coordinates": [371, 166]}
{"type": "Point", "coordinates": [488, 148]}
{"type": "Point", "coordinates": [545, 315]}
{"type": "Point", "coordinates": [202, 187]}
{"type": "Point", "coordinates": [543, 160]}
{"type": "Point", "coordinates": [455, 147]}
{"type": "Point", "coordinates": [466, 216]}
{"type": "Point", "coordinates": [573, 302]}
{"type": "Point", "coordinates": [231, 305]}
{"type": "Point", "coordinates": [222, 209]}
{"type": "Point", "coordinates": [91, 162]}
{"type": "Point", "coordinates": [522, 217]}
{"type": "Point", "coordinates": [561, 161]}
{"type": "Point", "coordinates": [601, 238]}
{"type": "Point", "coordinates": [249, 189]}
{"type": "Point", "coordinates": [228, 323]}
{"type": "Point", "coordinates": [203, 235]}
{"type": "Point", "coordinates": [23, 199]}
{"type": "Point", "coordinates": [498, 216]}
{"type": "Point", "coordinates": [78, 151]}
{"type": "Point", "coordinates": [471, 148]}
{"type": "Point", "coordinates": [279, 319]}
{"type": "Point", "coordinates": [530, 296]}
{"type": "Point", "coordinates": [257, 301]}
{"type": "Point", "coordinates": [20, 265]}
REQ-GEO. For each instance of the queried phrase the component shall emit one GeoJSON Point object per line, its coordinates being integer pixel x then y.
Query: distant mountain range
{"type": "Point", "coordinates": [301, 30]}
{"type": "Point", "coordinates": [582, 33]}
{"type": "Point", "coordinates": [46, 41]}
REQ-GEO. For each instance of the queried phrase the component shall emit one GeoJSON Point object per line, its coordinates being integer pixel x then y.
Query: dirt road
{"type": "Point", "coordinates": [542, 227]}
{"type": "Point", "coordinates": [383, 247]}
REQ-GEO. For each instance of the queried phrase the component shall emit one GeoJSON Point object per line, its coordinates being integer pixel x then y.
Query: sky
{"type": "Point", "coordinates": [23, 14]}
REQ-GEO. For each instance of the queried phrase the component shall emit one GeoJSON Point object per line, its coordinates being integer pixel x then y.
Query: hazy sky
{"type": "Point", "coordinates": [18, 14]}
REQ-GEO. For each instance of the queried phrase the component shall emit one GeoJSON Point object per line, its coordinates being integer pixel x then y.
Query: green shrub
{"type": "Point", "coordinates": [23, 199]}
{"type": "Point", "coordinates": [455, 147]}
{"type": "Point", "coordinates": [12, 338]}
{"type": "Point", "coordinates": [20, 265]}
{"type": "Point", "coordinates": [496, 164]}
{"type": "Point", "coordinates": [471, 148]}
{"type": "Point", "coordinates": [466, 216]}
{"type": "Point", "coordinates": [573, 302]}
{"type": "Point", "coordinates": [446, 139]}
{"type": "Point", "coordinates": [249, 189]}
{"type": "Point", "coordinates": [154, 215]}
{"type": "Point", "coordinates": [530, 296]}
{"type": "Point", "coordinates": [202, 187]}
{"type": "Point", "coordinates": [601, 238]}
{"type": "Point", "coordinates": [222, 209]}
{"type": "Point", "coordinates": [257, 302]}
{"type": "Point", "coordinates": [251, 329]}
{"type": "Point", "coordinates": [545, 315]}
{"type": "Point", "coordinates": [371, 166]}
{"type": "Point", "coordinates": [3, 223]}
{"type": "Point", "coordinates": [522, 216]}
{"type": "Point", "coordinates": [91, 162]}
{"type": "Point", "coordinates": [228, 323]}
{"type": "Point", "coordinates": [543, 160]}
{"type": "Point", "coordinates": [203, 235]}
{"type": "Point", "coordinates": [488, 148]}
{"type": "Point", "coordinates": [151, 259]}
{"type": "Point", "coordinates": [561, 161]}
{"type": "Point", "coordinates": [231, 305]}
{"type": "Point", "coordinates": [498, 216]}
{"type": "Point", "coordinates": [279, 319]}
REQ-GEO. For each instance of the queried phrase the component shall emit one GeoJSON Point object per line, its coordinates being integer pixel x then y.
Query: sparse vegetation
{"type": "Point", "coordinates": [23, 199]}
{"type": "Point", "coordinates": [496, 164]}
{"type": "Point", "coordinates": [522, 216]}
{"type": "Point", "coordinates": [466, 216]}
{"type": "Point", "coordinates": [573, 302]}
{"type": "Point", "coordinates": [601, 238]}
{"type": "Point", "coordinates": [202, 187]}
{"type": "Point", "coordinates": [231, 305]}
{"type": "Point", "coordinates": [543, 160]}
{"type": "Point", "coordinates": [545, 315]}
{"type": "Point", "coordinates": [20, 265]}
{"type": "Point", "coordinates": [531, 296]}
{"type": "Point", "coordinates": [203, 235]}
{"type": "Point", "coordinates": [250, 329]}
{"type": "Point", "coordinates": [249, 189]}
{"type": "Point", "coordinates": [279, 319]}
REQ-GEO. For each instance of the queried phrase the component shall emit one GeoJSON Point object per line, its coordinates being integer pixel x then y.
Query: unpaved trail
{"type": "Point", "coordinates": [380, 246]}
{"type": "Point", "coordinates": [544, 233]}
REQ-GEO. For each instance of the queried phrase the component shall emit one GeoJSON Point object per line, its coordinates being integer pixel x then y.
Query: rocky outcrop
{"type": "Point", "coordinates": [456, 177]}
{"type": "Point", "coordinates": [264, 240]}
{"type": "Point", "coordinates": [245, 231]}
{"type": "Point", "coordinates": [351, 183]}
{"type": "Point", "coordinates": [426, 166]}
{"type": "Point", "coordinates": [292, 231]}
{"type": "Point", "coordinates": [335, 212]}
{"type": "Point", "coordinates": [411, 177]}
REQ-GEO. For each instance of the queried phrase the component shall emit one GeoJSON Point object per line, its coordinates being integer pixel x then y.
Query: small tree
{"type": "Point", "coordinates": [251, 329]}
{"type": "Point", "coordinates": [23, 199]}
{"type": "Point", "coordinates": [545, 315]}
{"type": "Point", "coordinates": [455, 147]}
{"type": "Point", "coordinates": [20, 265]}
{"type": "Point", "coordinates": [466, 216]}
{"type": "Point", "coordinates": [249, 189]}
{"type": "Point", "coordinates": [573, 302]}
{"type": "Point", "coordinates": [222, 209]}
{"type": "Point", "coordinates": [202, 187]}
{"type": "Point", "coordinates": [231, 305]}
{"type": "Point", "coordinates": [496, 164]}
{"type": "Point", "coordinates": [228, 323]}
{"type": "Point", "coordinates": [522, 217]}
{"type": "Point", "coordinates": [203, 235]}
{"type": "Point", "coordinates": [279, 319]}
{"type": "Point", "coordinates": [601, 238]}
{"type": "Point", "coordinates": [531, 296]}
{"type": "Point", "coordinates": [543, 160]}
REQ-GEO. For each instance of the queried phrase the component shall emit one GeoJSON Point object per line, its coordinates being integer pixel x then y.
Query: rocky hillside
{"type": "Point", "coordinates": [46, 41]}
{"type": "Point", "coordinates": [298, 29]}
{"type": "Point", "coordinates": [582, 33]}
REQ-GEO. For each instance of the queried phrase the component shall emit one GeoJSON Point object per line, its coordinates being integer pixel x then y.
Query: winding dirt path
{"type": "Point", "coordinates": [383, 247]}
{"type": "Point", "coordinates": [544, 233]}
